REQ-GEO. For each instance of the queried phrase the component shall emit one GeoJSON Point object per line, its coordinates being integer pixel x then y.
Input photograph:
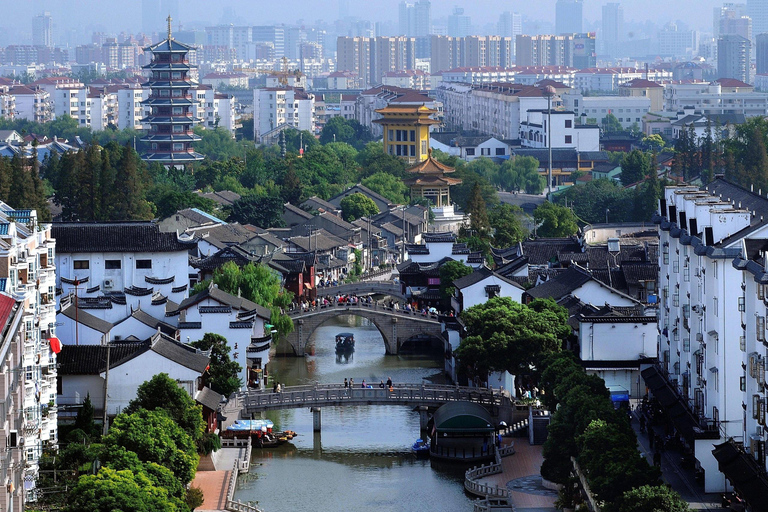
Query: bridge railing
{"type": "Point", "coordinates": [374, 306]}
{"type": "Point", "coordinates": [336, 394]}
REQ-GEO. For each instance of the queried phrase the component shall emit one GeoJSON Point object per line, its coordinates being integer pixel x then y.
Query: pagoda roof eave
{"type": "Point", "coordinates": [430, 166]}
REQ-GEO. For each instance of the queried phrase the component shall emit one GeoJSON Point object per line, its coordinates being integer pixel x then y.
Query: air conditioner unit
{"type": "Point", "coordinates": [108, 284]}
{"type": "Point", "coordinates": [699, 337]}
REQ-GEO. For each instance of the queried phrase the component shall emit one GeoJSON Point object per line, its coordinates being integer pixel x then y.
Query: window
{"type": "Point", "coordinates": [676, 266]}
{"type": "Point", "coordinates": [112, 264]}
{"type": "Point", "coordinates": [714, 270]}
{"type": "Point", "coordinates": [143, 263]}
{"type": "Point", "coordinates": [470, 151]}
{"type": "Point", "coordinates": [568, 123]}
{"type": "Point", "coordinates": [568, 139]}
{"type": "Point", "coordinates": [413, 135]}
{"type": "Point", "coordinates": [424, 150]}
{"type": "Point", "coordinates": [499, 151]}
{"type": "Point", "coordinates": [741, 304]}
{"type": "Point", "coordinates": [81, 264]}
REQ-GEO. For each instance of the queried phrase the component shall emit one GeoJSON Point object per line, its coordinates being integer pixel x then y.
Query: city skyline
{"type": "Point", "coordinates": [114, 16]}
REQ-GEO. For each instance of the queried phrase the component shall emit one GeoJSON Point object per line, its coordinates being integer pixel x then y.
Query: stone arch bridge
{"type": "Point", "coordinates": [396, 326]}
{"type": "Point", "coordinates": [388, 288]}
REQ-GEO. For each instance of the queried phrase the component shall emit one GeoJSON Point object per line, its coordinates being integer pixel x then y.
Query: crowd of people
{"type": "Point", "coordinates": [350, 383]}
{"type": "Point", "coordinates": [352, 299]}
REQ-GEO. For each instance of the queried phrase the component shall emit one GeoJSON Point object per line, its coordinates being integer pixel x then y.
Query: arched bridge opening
{"type": "Point", "coordinates": [395, 326]}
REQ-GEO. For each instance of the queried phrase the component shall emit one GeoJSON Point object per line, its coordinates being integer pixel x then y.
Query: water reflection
{"type": "Point", "coordinates": [361, 460]}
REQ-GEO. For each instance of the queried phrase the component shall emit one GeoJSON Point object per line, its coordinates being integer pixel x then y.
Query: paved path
{"type": "Point", "coordinates": [681, 479]}
{"type": "Point", "coordinates": [522, 477]}
{"type": "Point", "coordinates": [214, 485]}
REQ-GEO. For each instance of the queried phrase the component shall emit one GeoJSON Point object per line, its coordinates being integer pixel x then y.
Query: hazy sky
{"type": "Point", "coordinates": [125, 15]}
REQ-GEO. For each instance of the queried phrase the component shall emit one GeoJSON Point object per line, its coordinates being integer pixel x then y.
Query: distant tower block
{"type": "Point", "coordinates": [171, 119]}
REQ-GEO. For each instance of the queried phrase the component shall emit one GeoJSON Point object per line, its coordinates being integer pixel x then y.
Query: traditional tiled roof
{"type": "Point", "coordinates": [543, 251]}
{"type": "Point", "coordinates": [315, 203]}
{"type": "Point", "coordinates": [87, 319]}
{"type": "Point", "coordinates": [479, 275]}
{"type": "Point", "coordinates": [150, 321]}
{"type": "Point", "coordinates": [92, 359]}
{"type": "Point", "coordinates": [180, 353]}
{"type": "Point", "coordinates": [82, 237]}
{"type": "Point", "coordinates": [223, 235]}
{"type": "Point", "coordinates": [561, 285]}
{"type": "Point", "coordinates": [236, 254]}
{"type": "Point", "coordinates": [209, 398]}
{"type": "Point", "coordinates": [213, 292]}
{"type": "Point", "coordinates": [297, 211]}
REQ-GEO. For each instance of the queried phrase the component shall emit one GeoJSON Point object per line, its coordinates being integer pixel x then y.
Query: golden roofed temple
{"type": "Point", "coordinates": [430, 180]}
{"type": "Point", "coordinates": [406, 130]}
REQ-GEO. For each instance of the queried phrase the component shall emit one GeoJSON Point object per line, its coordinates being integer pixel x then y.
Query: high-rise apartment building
{"type": "Point", "coordinates": [727, 10]}
{"type": "Point", "coordinates": [459, 24]}
{"type": "Point", "coordinates": [510, 24]}
{"type": "Point", "coordinates": [415, 19]}
{"type": "Point", "coordinates": [572, 50]}
{"type": "Point", "coordinates": [758, 11]}
{"type": "Point", "coordinates": [761, 53]}
{"type": "Point", "coordinates": [354, 54]}
{"type": "Point", "coordinates": [270, 34]}
{"type": "Point", "coordinates": [487, 51]}
{"type": "Point", "coordinates": [42, 30]}
{"type": "Point", "coordinates": [446, 53]}
{"type": "Point", "coordinates": [568, 17]}
{"type": "Point", "coordinates": [613, 27]}
{"type": "Point", "coordinates": [674, 42]}
{"type": "Point", "coordinates": [733, 57]}
{"type": "Point", "coordinates": [371, 58]}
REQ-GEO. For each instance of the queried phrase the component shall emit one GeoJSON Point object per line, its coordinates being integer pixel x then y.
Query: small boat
{"type": "Point", "coordinates": [261, 431]}
{"type": "Point", "coordinates": [345, 342]}
{"type": "Point", "coordinates": [420, 448]}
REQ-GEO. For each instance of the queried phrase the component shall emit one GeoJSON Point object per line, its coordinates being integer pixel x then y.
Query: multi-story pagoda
{"type": "Point", "coordinates": [170, 119]}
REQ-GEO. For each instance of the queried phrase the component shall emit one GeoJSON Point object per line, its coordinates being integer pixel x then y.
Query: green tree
{"type": "Point", "coordinates": [450, 272]}
{"type": "Point", "coordinates": [556, 221]}
{"type": "Point", "coordinates": [461, 193]}
{"type": "Point", "coordinates": [260, 284]}
{"type": "Point", "coordinates": [373, 159]}
{"type": "Point", "coordinates": [611, 124]}
{"type": "Point", "coordinates": [263, 212]}
{"type": "Point", "coordinates": [506, 226]}
{"type": "Point", "coordinates": [350, 131]}
{"type": "Point", "coordinates": [609, 456]}
{"type": "Point", "coordinates": [388, 185]}
{"type": "Point", "coordinates": [478, 213]}
{"type": "Point", "coordinates": [521, 173]}
{"type": "Point", "coordinates": [84, 419]}
{"type": "Point", "coordinates": [154, 437]}
{"type": "Point", "coordinates": [635, 167]}
{"type": "Point", "coordinates": [222, 374]}
{"type": "Point", "coordinates": [118, 491]}
{"type": "Point", "coordinates": [652, 498]}
{"type": "Point", "coordinates": [357, 205]}
{"type": "Point", "coordinates": [653, 142]}
{"type": "Point", "coordinates": [162, 392]}
{"type": "Point", "coordinates": [505, 335]}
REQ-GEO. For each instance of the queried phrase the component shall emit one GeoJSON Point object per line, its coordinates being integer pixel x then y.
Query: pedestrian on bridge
{"type": "Point", "coordinates": [346, 383]}
{"type": "Point", "coordinates": [389, 382]}
{"type": "Point", "coordinates": [363, 383]}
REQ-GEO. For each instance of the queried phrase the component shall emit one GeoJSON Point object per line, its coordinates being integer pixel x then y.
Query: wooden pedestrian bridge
{"type": "Point", "coordinates": [421, 397]}
{"type": "Point", "coordinates": [395, 325]}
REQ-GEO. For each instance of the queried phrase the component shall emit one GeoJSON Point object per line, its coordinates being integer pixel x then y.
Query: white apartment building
{"type": "Point", "coordinates": [711, 373]}
{"type": "Point", "coordinates": [215, 109]}
{"type": "Point", "coordinates": [479, 75]}
{"type": "Point", "coordinates": [610, 79]}
{"type": "Point", "coordinates": [232, 79]}
{"type": "Point", "coordinates": [100, 109]}
{"type": "Point", "coordinates": [32, 104]}
{"type": "Point", "coordinates": [724, 96]}
{"type": "Point", "coordinates": [276, 107]}
{"type": "Point", "coordinates": [408, 79]}
{"type": "Point", "coordinates": [130, 111]}
{"type": "Point", "coordinates": [12, 387]}
{"type": "Point", "coordinates": [493, 109]}
{"type": "Point", "coordinates": [627, 109]}
{"type": "Point", "coordinates": [7, 105]}
{"type": "Point", "coordinates": [27, 275]}
{"type": "Point", "coordinates": [565, 133]}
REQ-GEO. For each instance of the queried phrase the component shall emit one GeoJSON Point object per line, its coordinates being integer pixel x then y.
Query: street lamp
{"type": "Point", "coordinates": [549, 92]}
{"type": "Point", "coordinates": [607, 211]}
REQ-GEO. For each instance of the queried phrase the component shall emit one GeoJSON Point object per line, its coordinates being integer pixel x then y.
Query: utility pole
{"type": "Point", "coordinates": [106, 392]}
{"type": "Point", "coordinates": [549, 91]}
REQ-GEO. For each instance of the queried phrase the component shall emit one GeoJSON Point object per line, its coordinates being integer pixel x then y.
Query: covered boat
{"type": "Point", "coordinates": [345, 342]}
{"type": "Point", "coordinates": [420, 448]}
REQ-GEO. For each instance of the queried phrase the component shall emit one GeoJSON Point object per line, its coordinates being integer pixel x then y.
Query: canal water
{"type": "Point", "coordinates": [361, 460]}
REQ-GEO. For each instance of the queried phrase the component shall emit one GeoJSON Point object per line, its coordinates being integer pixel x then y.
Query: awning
{"type": "Point", "coordinates": [744, 473]}
{"type": "Point", "coordinates": [681, 416]}
{"type": "Point", "coordinates": [55, 344]}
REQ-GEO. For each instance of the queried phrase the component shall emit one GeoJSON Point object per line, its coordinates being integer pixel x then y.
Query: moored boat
{"type": "Point", "coordinates": [420, 448]}
{"type": "Point", "coordinates": [261, 431]}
